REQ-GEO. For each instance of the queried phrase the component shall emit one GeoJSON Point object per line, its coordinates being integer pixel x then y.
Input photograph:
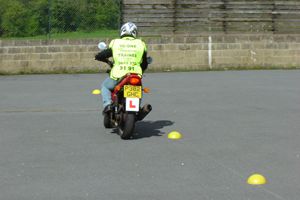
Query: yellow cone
{"type": "Point", "coordinates": [174, 135]}
{"type": "Point", "coordinates": [96, 92]}
{"type": "Point", "coordinates": [256, 179]}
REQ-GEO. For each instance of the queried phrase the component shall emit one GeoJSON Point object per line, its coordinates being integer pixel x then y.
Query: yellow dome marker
{"type": "Point", "coordinates": [256, 179]}
{"type": "Point", "coordinates": [96, 92]}
{"type": "Point", "coordinates": [174, 135]}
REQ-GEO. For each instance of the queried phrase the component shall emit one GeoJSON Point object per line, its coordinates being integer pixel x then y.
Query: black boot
{"type": "Point", "coordinates": [107, 109]}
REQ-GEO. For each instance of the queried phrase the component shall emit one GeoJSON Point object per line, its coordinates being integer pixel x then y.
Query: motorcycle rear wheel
{"type": "Point", "coordinates": [126, 129]}
{"type": "Point", "coordinates": [107, 121]}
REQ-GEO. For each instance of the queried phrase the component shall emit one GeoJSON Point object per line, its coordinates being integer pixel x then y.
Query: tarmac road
{"type": "Point", "coordinates": [235, 123]}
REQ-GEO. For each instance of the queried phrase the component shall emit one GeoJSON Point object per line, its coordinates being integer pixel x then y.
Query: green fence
{"type": "Point", "coordinates": [27, 18]}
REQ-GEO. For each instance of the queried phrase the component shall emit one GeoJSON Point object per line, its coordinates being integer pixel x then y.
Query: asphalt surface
{"type": "Point", "coordinates": [236, 123]}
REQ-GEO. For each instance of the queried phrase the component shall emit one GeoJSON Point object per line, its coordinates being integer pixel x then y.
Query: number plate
{"type": "Point", "coordinates": [131, 91]}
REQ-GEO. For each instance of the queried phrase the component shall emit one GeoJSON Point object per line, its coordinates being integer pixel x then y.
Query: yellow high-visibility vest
{"type": "Point", "coordinates": [127, 55]}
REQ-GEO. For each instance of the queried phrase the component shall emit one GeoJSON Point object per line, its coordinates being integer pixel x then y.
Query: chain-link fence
{"type": "Point", "coordinates": [23, 18]}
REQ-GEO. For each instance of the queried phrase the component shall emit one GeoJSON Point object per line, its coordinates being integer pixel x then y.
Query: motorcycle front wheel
{"type": "Point", "coordinates": [126, 128]}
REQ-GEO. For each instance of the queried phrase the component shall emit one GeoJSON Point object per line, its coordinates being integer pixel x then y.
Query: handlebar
{"type": "Point", "coordinates": [110, 63]}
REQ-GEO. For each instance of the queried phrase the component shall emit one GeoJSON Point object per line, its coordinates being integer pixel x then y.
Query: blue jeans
{"type": "Point", "coordinates": [106, 88]}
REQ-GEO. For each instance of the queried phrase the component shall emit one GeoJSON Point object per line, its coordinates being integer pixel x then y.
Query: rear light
{"type": "Point", "coordinates": [135, 81]}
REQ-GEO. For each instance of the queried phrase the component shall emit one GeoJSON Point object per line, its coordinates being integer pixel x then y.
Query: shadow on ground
{"type": "Point", "coordinates": [145, 129]}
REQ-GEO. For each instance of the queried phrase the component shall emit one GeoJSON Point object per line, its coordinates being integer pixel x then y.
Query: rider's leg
{"type": "Point", "coordinates": [106, 88]}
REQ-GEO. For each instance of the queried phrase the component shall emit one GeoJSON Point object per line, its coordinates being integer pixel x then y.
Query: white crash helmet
{"type": "Point", "coordinates": [128, 29]}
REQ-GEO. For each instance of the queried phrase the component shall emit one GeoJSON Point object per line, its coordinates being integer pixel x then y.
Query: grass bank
{"type": "Point", "coordinates": [70, 35]}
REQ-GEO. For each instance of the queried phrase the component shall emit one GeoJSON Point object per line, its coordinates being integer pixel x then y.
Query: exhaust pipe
{"type": "Point", "coordinates": [146, 109]}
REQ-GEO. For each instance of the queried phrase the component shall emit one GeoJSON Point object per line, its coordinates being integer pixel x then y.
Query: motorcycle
{"type": "Point", "coordinates": [126, 107]}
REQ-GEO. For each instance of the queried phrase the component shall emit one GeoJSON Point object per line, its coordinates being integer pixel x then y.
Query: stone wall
{"type": "Point", "coordinates": [227, 52]}
{"type": "Point", "coordinates": [170, 52]}
{"type": "Point", "coordinates": [42, 56]}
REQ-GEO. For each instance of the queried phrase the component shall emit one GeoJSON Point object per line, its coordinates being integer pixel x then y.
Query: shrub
{"type": "Point", "coordinates": [36, 17]}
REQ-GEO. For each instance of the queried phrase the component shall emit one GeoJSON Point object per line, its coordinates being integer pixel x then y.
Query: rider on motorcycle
{"type": "Point", "coordinates": [129, 56]}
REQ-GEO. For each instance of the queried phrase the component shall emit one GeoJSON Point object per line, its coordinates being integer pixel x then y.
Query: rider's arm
{"type": "Point", "coordinates": [104, 55]}
{"type": "Point", "coordinates": [144, 63]}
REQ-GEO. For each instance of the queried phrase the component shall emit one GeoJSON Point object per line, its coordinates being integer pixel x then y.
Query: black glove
{"type": "Point", "coordinates": [97, 56]}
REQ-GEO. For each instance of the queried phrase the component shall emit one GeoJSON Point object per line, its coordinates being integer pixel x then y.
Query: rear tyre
{"type": "Point", "coordinates": [106, 121]}
{"type": "Point", "coordinates": [127, 127]}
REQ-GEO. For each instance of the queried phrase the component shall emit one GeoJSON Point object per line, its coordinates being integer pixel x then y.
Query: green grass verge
{"type": "Point", "coordinates": [70, 35]}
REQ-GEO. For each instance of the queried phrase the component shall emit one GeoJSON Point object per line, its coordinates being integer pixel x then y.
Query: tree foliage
{"type": "Point", "coordinates": [36, 17]}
